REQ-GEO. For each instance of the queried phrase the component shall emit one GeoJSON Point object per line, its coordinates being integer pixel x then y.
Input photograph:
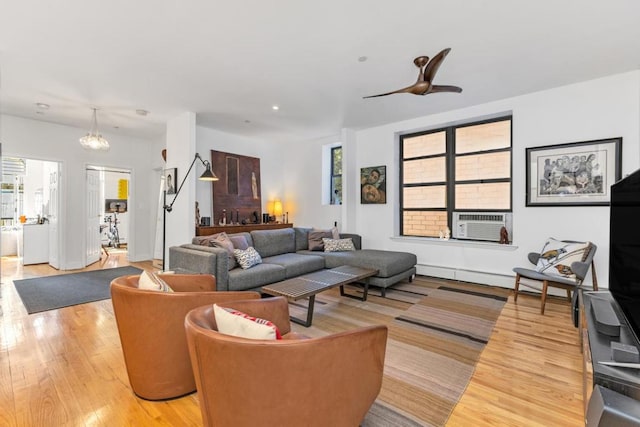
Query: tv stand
{"type": "Point", "coordinates": [596, 347]}
{"type": "Point", "coordinates": [606, 320]}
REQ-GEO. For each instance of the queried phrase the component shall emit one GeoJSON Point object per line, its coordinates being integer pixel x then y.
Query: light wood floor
{"type": "Point", "coordinates": [65, 368]}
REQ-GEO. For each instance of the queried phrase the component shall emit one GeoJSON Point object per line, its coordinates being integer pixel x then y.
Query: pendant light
{"type": "Point", "coordinates": [93, 140]}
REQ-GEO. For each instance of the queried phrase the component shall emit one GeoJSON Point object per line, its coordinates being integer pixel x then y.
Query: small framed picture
{"type": "Point", "coordinates": [574, 174]}
{"type": "Point", "coordinates": [373, 187]}
{"type": "Point", "coordinates": [171, 180]}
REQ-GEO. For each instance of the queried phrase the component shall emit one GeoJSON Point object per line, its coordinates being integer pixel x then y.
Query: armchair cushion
{"type": "Point", "coordinates": [557, 256]}
{"type": "Point", "coordinates": [239, 324]}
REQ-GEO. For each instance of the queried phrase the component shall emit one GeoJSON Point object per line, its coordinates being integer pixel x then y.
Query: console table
{"type": "Point", "coordinates": [229, 229]}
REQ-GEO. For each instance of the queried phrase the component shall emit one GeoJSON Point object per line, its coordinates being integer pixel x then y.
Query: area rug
{"type": "Point", "coordinates": [51, 292]}
{"type": "Point", "coordinates": [437, 331]}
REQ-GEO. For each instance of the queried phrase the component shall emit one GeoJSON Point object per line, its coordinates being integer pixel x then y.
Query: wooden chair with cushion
{"type": "Point", "coordinates": [327, 381]}
{"type": "Point", "coordinates": [151, 328]}
{"type": "Point", "coordinates": [555, 268]}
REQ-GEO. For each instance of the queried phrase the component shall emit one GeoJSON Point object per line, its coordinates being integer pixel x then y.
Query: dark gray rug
{"type": "Point", "coordinates": [51, 292]}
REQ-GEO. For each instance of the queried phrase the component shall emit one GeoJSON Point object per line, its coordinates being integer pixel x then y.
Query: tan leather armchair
{"type": "Point", "coordinates": [151, 327]}
{"type": "Point", "coordinates": [327, 381]}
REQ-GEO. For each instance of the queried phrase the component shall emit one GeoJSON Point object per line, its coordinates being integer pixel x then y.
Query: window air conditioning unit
{"type": "Point", "coordinates": [482, 225]}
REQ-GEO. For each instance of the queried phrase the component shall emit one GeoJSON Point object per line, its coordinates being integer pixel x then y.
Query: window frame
{"type": "Point", "coordinates": [333, 175]}
{"type": "Point", "coordinates": [450, 170]}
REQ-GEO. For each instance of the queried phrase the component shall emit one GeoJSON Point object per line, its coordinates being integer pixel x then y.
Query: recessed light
{"type": "Point", "coordinates": [42, 105]}
{"type": "Point", "coordinates": [275, 108]}
{"type": "Point", "coordinates": [141, 112]}
{"type": "Point", "coordinates": [362, 58]}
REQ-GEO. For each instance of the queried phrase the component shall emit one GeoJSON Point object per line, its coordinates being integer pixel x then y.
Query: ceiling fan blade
{"type": "Point", "coordinates": [418, 88]}
{"type": "Point", "coordinates": [445, 88]}
{"type": "Point", "coordinates": [434, 64]}
{"type": "Point", "coordinates": [410, 89]}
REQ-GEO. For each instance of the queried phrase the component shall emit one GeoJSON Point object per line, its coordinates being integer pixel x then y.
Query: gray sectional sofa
{"type": "Point", "coordinates": [285, 254]}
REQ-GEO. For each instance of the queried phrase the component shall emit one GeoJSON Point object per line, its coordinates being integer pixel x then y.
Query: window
{"type": "Point", "coordinates": [12, 190]}
{"type": "Point", "coordinates": [336, 176]}
{"type": "Point", "coordinates": [458, 168]}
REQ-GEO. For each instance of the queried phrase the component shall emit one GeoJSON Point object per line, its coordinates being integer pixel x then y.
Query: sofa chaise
{"type": "Point", "coordinates": [285, 254]}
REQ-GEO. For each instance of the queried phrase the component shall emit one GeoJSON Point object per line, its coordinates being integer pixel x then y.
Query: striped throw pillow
{"type": "Point", "coordinates": [151, 282]}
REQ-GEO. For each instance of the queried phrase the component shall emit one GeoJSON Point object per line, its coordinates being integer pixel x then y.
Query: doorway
{"type": "Point", "coordinates": [108, 216]}
{"type": "Point", "coordinates": [29, 210]}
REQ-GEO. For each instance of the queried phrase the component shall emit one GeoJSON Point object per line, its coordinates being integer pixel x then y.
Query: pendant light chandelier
{"type": "Point", "coordinates": [93, 140]}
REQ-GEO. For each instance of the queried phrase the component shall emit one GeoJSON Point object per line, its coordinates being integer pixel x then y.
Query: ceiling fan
{"type": "Point", "coordinates": [424, 85]}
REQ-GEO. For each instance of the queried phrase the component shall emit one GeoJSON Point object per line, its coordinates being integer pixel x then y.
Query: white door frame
{"type": "Point", "coordinates": [130, 210]}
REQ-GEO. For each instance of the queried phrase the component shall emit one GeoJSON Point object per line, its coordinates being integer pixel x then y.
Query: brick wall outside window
{"type": "Point", "coordinates": [465, 167]}
{"type": "Point", "coordinates": [424, 223]}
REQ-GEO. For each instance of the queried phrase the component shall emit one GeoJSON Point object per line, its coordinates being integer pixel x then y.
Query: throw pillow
{"type": "Point", "coordinates": [151, 282]}
{"type": "Point", "coordinates": [221, 240]}
{"type": "Point", "coordinates": [335, 234]}
{"type": "Point", "coordinates": [239, 242]}
{"type": "Point", "coordinates": [201, 240]}
{"type": "Point", "coordinates": [338, 245]}
{"type": "Point", "coordinates": [315, 239]}
{"type": "Point", "coordinates": [239, 324]}
{"type": "Point", "coordinates": [556, 257]}
{"type": "Point", "coordinates": [247, 258]}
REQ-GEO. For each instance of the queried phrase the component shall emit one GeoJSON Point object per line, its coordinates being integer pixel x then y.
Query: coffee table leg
{"type": "Point", "coordinates": [365, 292]}
{"type": "Point", "coordinates": [312, 300]}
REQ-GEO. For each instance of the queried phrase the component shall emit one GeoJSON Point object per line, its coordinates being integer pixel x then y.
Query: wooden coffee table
{"type": "Point", "coordinates": [309, 285]}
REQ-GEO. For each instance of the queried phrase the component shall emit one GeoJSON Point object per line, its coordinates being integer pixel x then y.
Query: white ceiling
{"type": "Point", "coordinates": [229, 62]}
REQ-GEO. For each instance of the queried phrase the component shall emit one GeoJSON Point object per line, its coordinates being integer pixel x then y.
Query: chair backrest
{"type": "Point", "coordinates": [581, 272]}
{"type": "Point", "coordinates": [581, 269]}
{"type": "Point", "coordinates": [331, 380]}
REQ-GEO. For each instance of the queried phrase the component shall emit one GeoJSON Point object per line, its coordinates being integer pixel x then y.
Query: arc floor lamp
{"type": "Point", "coordinates": [207, 175]}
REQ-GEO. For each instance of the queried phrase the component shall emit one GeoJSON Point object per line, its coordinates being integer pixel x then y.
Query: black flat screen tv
{"type": "Point", "coordinates": [624, 248]}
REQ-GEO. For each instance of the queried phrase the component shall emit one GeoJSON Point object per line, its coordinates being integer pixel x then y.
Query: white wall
{"type": "Point", "coordinates": [273, 172]}
{"type": "Point", "coordinates": [602, 108]}
{"type": "Point", "coordinates": [46, 141]}
{"type": "Point", "coordinates": [302, 181]}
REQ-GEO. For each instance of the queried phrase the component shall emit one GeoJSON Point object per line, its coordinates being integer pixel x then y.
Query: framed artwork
{"type": "Point", "coordinates": [171, 180]}
{"type": "Point", "coordinates": [237, 193]}
{"type": "Point", "coordinates": [574, 174]}
{"type": "Point", "coordinates": [373, 185]}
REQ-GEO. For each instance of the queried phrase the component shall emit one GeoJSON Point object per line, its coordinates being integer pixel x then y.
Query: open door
{"type": "Point", "coordinates": [93, 216]}
{"type": "Point", "coordinates": [53, 215]}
